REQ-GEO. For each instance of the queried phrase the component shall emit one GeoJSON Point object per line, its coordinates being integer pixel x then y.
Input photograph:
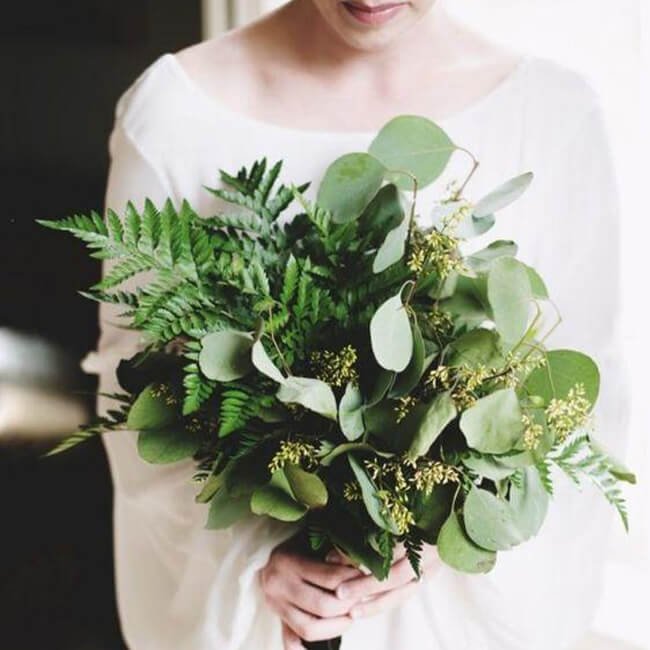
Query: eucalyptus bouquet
{"type": "Point", "coordinates": [348, 369]}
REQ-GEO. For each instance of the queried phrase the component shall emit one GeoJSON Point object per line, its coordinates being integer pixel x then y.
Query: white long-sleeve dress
{"type": "Point", "coordinates": [181, 587]}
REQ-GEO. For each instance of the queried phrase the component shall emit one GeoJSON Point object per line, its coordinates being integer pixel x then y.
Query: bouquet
{"type": "Point", "coordinates": [348, 369]}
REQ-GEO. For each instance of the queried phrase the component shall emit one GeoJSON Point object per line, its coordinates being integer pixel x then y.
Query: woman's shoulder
{"type": "Point", "coordinates": [558, 93]}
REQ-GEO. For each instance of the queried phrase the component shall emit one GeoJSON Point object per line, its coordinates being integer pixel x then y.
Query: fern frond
{"type": "Point", "coordinates": [578, 459]}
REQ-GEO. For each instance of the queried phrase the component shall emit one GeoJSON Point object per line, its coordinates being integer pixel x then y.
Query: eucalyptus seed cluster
{"type": "Point", "coordinates": [533, 432]}
{"type": "Point", "coordinates": [336, 368]}
{"type": "Point", "coordinates": [293, 452]}
{"type": "Point", "coordinates": [165, 392]}
{"type": "Point", "coordinates": [404, 406]}
{"type": "Point", "coordinates": [564, 416]}
{"type": "Point", "coordinates": [434, 251]}
{"type": "Point", "coordinates": [394, 508]}
{"type": "Point", "coordinates": [462, 381]}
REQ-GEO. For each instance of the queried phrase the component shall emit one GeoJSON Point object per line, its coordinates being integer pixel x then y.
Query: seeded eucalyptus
{"type": "Point", "coordinates": [348, 369]}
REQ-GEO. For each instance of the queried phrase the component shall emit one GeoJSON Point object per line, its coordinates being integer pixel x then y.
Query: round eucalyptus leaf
{"type": "Point", "coordinates": [307, 487]}
{"type": "Point", "coordinates": [489, 521]}
{"type": "Point", "coordinates": [482, 260]}
{"type": "Point", "coordinates": [383, 214]}
{"type": "Point", "coordinates": [162, 446]}
{"type": "Point", "coordinates": [225, 510]}
{"type": "Point", "coordinates": [473, 226]}
{"type": "Point", "coordinates": [407, 380]}
{"type": "Point", "coordinates": [351, 412]}
{"type": "Point", "coordinates": [479, 347]}
{"type": "Point", "coordinates": [458, 551]}
{"type": "Point", "coordinates": [498, 524]}
{"type": "Point", "coordinates": [277, 503]}
{"type": "Point", "coordinates": [313, 394]}
{"type": "Point", "coordinates": [493, 425]}
{"type": "Point", "coordinates": [415, 145]}
{"type": "Point", "coordinates": [432, 423]}
{"type": "Point", "coordinates": [432, 510]}
{"type": "Point", "coordinates": [488, 467]}
{"type": "Point", "coordinates": [392, 248]}
{"type": "Point", "coordinates": [503, 195]}
{"type": "Point", "coordinates": [537, 284]}
{"type": "Point", "coordinates": [226, 355]}
{"type": "Point", "coordinates": [349, 184]}
{"type": "Point", "coordinates": [151, 410]}
{"type": "Point", "coordinates": [563, 370]}
{"type": "Point", "coordinates": [391, 337]}
{"type": "Point", "coordinates": [263, 363]}
{"type": "Point", "coordinates": [509, 294]}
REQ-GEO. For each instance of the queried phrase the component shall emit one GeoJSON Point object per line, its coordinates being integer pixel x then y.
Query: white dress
{"type": "Point", "coordinates": [181, 587]}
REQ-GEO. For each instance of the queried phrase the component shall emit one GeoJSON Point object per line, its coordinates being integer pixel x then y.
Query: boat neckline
{"type": "Point", "coordinates": [216, 105]}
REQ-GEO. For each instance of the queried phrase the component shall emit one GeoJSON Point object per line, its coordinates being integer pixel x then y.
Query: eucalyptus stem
{"type": "Point", "coordinates": [475, 163]}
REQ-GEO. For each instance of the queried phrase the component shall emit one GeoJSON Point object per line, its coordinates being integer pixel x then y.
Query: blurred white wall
{"type": "Point", "coordinates": [602, 40]}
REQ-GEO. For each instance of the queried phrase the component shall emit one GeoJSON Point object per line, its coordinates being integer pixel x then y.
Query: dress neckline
{"type": "Point", "coordinates": [169, 59]}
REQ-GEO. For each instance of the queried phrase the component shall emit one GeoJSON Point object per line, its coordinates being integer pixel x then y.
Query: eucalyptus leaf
{"type": "Point", "coordinates": [493, 424]}
{"type": "Point", "coordinates": [503, 195]}
{"type": "Point", "coordinates": [458, 551]}
{"type": "Point", "coordinates": [498, 524]}
{"type": "Point", "coordinates": [537, 285]}
{"type": "Point", "coordinates": [391, 337]}
{"type": "Point", "coordinates": [392, 248]}
{"type": "Point", "coordinates": [151, 410]}
{"type": "Point", "coordinates": [482, 260]}
{"type": "Point", "coordinates": [225, 510]}
{"type": "Point", "coordinates": [226, 355]}
{"type": "Point", "coordinates": [413, 144]}
{"type": "Point", "coordinates": [351, 412]}
{"type": "Point", "coordinates": [313, 394]}
{"type": "Point", "coordinates": [384, 380]}
{"type": "Point", "coordinates": [472, 226]}
{"type": "Point", "coordinates": [348, 447]}
{"type": "Point", "coordinates": [432, 510]}
{"type": "Point", "coordinates": [510, 296]}
{"type": "Point", "coordinates": [437, 416]}
{"type": "Point", "coordinates": [489, 467]}
{"type": "Point", "coordinates": [563, 370]}
{"type": "Point", "coordinates": [383, 214]}
{"type": "Point", "coordinates": [407, 380]}
{"type": "Point", "coordinates": [162, 446]}
{"type": "Point", "coordinates": [307, 487]}
{"type": "Point", "coordinates": [479, 347]}
{"type": "Point", "coordinates": [349, 184]}
{"type": "Point", "coordinates": [263, 363]}
{"type": "Point", "coordinates": [369, 495]}
{"type": "Point", "coordinates": [275, 499]}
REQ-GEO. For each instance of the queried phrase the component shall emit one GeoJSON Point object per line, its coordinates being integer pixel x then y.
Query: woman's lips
{"type": "Point", "coordinates": [376, 15]}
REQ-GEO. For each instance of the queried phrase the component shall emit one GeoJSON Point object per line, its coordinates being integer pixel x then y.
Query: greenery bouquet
{"type": "Point", "coordinates": [347, 369]}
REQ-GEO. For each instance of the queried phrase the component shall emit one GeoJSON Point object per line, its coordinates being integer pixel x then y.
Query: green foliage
{"type": "Point", "coordinates": [580, 460]}
{"type": "Point", "coordinates": [347, 368]}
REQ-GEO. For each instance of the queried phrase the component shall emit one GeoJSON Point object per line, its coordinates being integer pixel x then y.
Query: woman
{"type": "Point", "coordinates": [305, 84]}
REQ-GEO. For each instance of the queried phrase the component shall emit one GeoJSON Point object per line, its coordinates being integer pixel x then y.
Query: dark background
{"type": "Point", "coordinates": [63, 66]}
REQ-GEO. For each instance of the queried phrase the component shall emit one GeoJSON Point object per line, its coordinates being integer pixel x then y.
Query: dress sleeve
{"type": "Point", "coordinates": [544, 594]}
{"type": "Point", "coordinates": [178, 584]}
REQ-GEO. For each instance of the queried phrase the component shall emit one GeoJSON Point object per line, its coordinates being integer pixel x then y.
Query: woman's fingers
{"type": "Point", "coordinates": [316, 601]}
{"type": "Point", "coordinates": [290, 639]}
{"type": "Point", "coordinates": [356, 589]}
{"type": "Point", "coordinates": [383, 602]}
{"type": "Point", "coordinates": [312, 628]}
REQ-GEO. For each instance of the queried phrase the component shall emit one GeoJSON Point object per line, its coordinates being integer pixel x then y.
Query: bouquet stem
{"type": "Point", "coordinates": [329, 644]}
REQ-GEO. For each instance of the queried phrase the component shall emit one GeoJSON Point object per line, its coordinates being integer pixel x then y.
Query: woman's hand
{"type": "Point", "coordinates": [320, 600]}
{"type": "Point", "coordinates": [302, 592]}
{"type": "Point", "coordinates": [372, 596]}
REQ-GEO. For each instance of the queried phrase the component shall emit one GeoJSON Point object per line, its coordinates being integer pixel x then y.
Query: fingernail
{"type": "Point", "coordinates": [355, 612]}
{"type": "Point", "coordinates": [332, 556]}
{"type": "Point", "coordinates": [341, 593]}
